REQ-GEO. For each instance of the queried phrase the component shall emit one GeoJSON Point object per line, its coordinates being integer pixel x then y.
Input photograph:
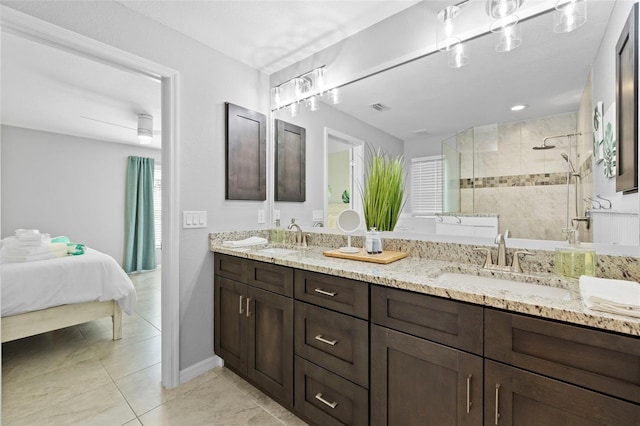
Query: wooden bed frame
{"type": "Point", "coordinates": [36, 322]}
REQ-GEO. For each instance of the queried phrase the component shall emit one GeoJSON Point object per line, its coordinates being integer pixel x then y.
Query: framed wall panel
{"type": "Point", "coordinates": [246, 154]}
{"type": "Point", "coordinates": [290, 162]}
{"type": "Point", "coordinates": [627, 105]}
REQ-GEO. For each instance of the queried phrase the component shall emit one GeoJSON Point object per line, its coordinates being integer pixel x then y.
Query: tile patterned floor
{"type": "Point", "coordinates": [79, 376]}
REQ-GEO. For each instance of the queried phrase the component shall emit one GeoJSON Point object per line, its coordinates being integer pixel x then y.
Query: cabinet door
{"type": "Point", "coordinates": [516, 397]}
{"type": "Point", "coordinates": [230, 340]}
{"type": "Point", "coordinates": [418, 382]}
{"type": "Point", "coordinates": [270, 343]}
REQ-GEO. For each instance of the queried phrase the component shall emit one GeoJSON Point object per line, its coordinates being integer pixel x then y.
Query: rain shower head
{"type": "Point", "coordinates": [544, 141]}
{"type": "Point", "coordinates": [544, 144]}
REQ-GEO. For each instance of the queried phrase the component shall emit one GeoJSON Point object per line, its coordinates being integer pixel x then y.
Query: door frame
{"type": "Point", "coordinates": [27, 26]}
{"type": "Point", "coordinates": [356, 172]}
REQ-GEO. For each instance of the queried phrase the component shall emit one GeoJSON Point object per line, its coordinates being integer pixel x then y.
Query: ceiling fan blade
{"type": "Point", "coordinates": [155, 132]}
{"type": "Point", "coordinates": [107, 122]}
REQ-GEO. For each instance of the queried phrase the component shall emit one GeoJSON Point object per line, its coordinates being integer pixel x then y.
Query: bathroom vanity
{"type": "Point", "coordinates": [342, 342]}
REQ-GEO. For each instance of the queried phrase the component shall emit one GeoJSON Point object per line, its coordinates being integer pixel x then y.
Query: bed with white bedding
{"type": "Point", "coordinates": [51, 294]}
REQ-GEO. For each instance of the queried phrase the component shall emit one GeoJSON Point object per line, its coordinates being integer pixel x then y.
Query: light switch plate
{"type": "Point", "coordinates": [260, 216]}
{"type": "Point", "coordinates": [194, 219]}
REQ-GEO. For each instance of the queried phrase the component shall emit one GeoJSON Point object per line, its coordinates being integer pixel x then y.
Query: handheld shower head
{"type": "Point", "coordinates": [566, 158]}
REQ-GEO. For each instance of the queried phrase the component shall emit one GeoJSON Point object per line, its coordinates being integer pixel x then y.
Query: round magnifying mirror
{"type": "Point", "coordinates": [349, 222]}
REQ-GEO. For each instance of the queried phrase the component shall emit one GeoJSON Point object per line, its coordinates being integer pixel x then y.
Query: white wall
{"type": "Point", "coordinates": [65, 185]}
{"type": "Point", "coordinates": [604, 85]}
{"type": "Point", "coordinates": [207, 79]}
{"type": "Point", "coordinates": [315, 122]}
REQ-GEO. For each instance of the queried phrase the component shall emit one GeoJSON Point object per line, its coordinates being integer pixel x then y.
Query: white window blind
{"type": "Point", "coordinates": [426, 185]}
{"type": "Point", "coordinates": [157, 204]}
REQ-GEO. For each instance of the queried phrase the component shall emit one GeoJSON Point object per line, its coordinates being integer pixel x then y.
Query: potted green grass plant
{"type": "Point", "coordinates": [383, 195]}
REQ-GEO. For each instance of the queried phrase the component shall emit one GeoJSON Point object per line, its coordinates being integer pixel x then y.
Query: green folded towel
{"type": "Point", "coordinates": [73, 249]}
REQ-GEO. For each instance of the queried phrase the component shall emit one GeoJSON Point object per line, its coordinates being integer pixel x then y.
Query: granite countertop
{"type": "Point", "coordinates": [421, 275]}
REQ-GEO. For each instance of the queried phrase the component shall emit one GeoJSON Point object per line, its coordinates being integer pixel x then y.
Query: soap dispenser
{"type": "Point", "coordinates": [277, 234]}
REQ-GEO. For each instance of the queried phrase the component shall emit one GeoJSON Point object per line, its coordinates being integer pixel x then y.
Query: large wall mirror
{"type": "Point", "coordinates": [419, 107]}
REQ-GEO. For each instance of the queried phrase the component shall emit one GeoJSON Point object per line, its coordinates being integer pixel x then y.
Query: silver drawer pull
{"type": "Point", "coordinates": [323, 340]}
{"type": "Point", "coordinates": [469, 403]}
{"type": "Point", "coordinates": [326, 293]}
{"type": "Point", "coordinates": [324, 401]}
{"type": "Point", "coordinates": [497, 417]}
{"type": "Point", "coordinates": [240, 310]}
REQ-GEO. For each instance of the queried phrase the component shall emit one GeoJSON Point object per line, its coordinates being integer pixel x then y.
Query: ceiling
{"type": "Point", "coordinates": [269, 35]}
{"type": "Point", "coordinates": [48, 89]}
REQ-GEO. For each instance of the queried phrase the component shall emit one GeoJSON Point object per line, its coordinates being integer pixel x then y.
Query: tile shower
{"type": "Point", "coordinates": [500, 172]}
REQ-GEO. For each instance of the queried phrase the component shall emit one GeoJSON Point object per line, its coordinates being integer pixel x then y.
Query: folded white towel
{"type": "Point", "coordinates": [247, 242]}
{"type": "Point", "coordinates": [42, 239]}
{"type": "Point", "coordinates": [52, 251]}
{"type": "Point", "coordinates": [26, 251]}
{"type": "Point", "coordinates": [613, 296]}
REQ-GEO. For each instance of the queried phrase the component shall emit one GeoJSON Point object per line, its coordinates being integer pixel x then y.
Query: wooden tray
{"type": "Point", "coordinates": [385, 257]}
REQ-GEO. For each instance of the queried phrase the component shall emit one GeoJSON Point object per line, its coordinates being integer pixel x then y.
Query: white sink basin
{"type": "Point", "coordinates": [525, 289]}
{"type": "Point", "coordinates": [277, 251]}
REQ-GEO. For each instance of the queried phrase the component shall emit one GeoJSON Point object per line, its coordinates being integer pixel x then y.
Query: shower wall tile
{"type": "Point", "coordinates": [525, 187]}
{"type": "Point", "coordinates": [486, 200]}
{"type": "Point", "coordinates": [466, 201]}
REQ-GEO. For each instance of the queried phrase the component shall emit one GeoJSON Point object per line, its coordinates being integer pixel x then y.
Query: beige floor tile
{"type": "Point", "coordinates": [24, 397]}
{"type": "Point", "coordinates": [213, 402]}
{"type": "Point", "coordinates": [271, 406]}
{"type": "Point", "coordinates": [134, 422]}
{"type": "Point", "coordinates": [102, 406]}
{"type": "Point", "coordinates": [99, 333]}
{"type": "Point", "coordinates": [120, 361]}
{"type": "Point", "coordinates": [144, 391]}
{"type": "Point", "coordinates": [23, 359]}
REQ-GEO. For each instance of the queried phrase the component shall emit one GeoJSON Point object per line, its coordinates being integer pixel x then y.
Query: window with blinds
{"type": "Point", "coordinates": [157, 204]}
{"type": "Point", "coordinates": [427, 185]}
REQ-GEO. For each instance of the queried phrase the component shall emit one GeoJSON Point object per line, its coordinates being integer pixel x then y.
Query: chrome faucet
{"type": "Point", "coordinates": [501, 261]}
{"type": "Point", "coordinates": [299, 237]}
{"type": "Point", "coordinates": [502, 248]}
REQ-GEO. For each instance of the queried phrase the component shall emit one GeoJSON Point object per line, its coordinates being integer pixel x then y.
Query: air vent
{"type": "Point", "coordinates": [379, 107]}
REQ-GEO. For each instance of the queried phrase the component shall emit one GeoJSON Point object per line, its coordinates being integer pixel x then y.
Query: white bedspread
{"type": "Point", "coordinates": [93, 276]}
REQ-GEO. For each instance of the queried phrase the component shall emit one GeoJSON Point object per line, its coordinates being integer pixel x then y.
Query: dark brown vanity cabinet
{"type": "Point", "coordinates": [558, 373]}
{"type": "Point", "coordinates": [359, 354]}
{"type": "Point", "coordinates": [415, 381]}
{"type": "Point", "coordinates": [332, 349]}
{"type": "Point", "coordinates": [515, 397]}
{"type": "Point", "coordinates": [254, 326]}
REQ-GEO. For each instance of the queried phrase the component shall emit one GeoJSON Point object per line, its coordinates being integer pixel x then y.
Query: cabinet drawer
{"type": "Point", "coordinates": [328, 399]}
{"type": "Point", "coordinates": [231, 267]}
{"type": "Point", "coordinates": [267, 276]}
{"type": "Point", "coordinates": [444, 321]}
{"type": "Point", "coordinates": [340, 294]}
{"type": "Point", "coordinates": [515, 397]}
{"type": "Point", "coordinates": [598, 360]}
{"type": "Point", "coordinates": [337, 342]}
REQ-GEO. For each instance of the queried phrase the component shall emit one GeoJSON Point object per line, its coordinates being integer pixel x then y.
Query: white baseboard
{"type": "Point", "coordinates": [202, 367]}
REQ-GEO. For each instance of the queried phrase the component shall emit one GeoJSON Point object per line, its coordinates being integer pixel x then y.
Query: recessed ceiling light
{"type": "Point", "coordinates": [518, 107]}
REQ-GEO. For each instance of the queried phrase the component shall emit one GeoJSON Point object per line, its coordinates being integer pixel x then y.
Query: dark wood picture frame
{"type": "Point", "coordinates": [245, 154]}
{"type": "Point", "coordinates": [290, 162]}
{"type": "Point", "coordinates": [627, 105]}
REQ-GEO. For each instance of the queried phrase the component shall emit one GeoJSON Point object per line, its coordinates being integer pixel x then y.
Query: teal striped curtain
{"type": "Point", "coordinates": [140, 248]}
